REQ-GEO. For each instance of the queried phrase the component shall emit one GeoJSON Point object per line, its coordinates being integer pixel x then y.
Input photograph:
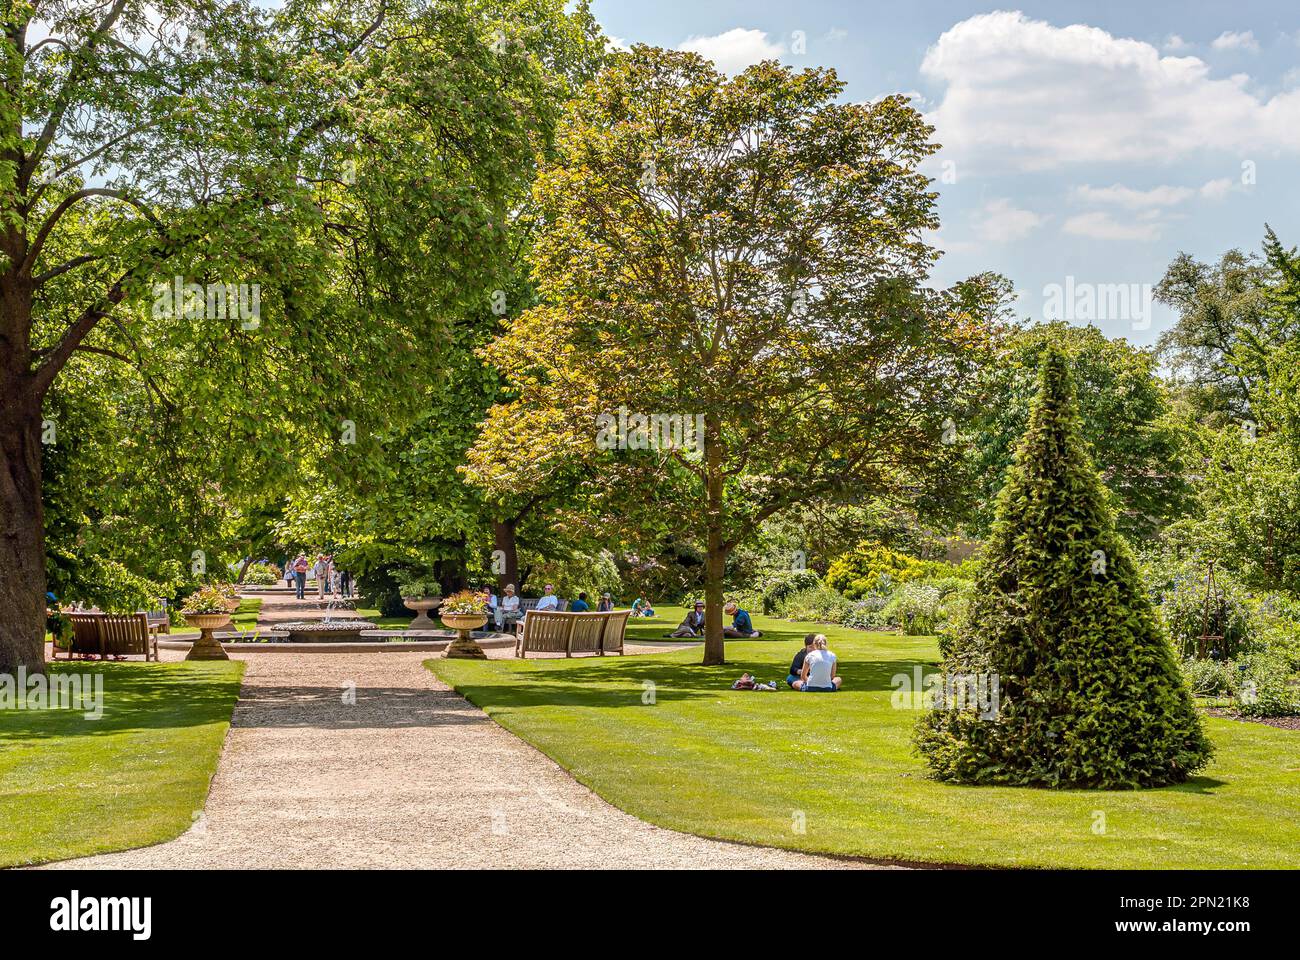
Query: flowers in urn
{"type": "Point", "coordinates": [210, 599]}
{"type": "Point", "coordinates": [465, 603]}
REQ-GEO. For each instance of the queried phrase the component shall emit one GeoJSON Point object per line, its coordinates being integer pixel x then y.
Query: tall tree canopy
{"type": "Point", "coordinates": [1125, 417]}
{"type": "Point", "coordinates": [743, 254]}
{"type": "Point", "coordinates": [356, 164]}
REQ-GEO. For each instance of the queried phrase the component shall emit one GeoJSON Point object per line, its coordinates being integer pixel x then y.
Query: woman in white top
{"type": "Point", "coordinates": [508, 608]}
{"type": "Point", "coordinates": [818, 674]}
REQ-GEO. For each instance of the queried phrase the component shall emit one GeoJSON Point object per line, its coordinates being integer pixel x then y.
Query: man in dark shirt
{"type": "Point", "coordinates": [796, 665]}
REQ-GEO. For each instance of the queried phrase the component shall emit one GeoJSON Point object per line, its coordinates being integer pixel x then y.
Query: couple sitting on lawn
{"type": "Point", "coordinates": [741, 625]}
{"type": "Point", "coordinates": [813, 668]}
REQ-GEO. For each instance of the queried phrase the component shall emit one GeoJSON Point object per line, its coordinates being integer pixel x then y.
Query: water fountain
{"type": "Point", "coordinates": [328, 629]}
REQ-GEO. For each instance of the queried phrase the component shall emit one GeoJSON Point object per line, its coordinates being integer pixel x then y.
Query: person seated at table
{"type": "Point", "coordinates": [741, 625]}
{"type": "Point", "coordinates": [579, 605]}
{"type": "Point", "coordinates": [606, 603]}
{"type": "Point", "coordinates": [692, 624]}
{"type": "Point", "coordinates": [796, 665]}
{"type": "Point", "coordinates": [508, 608]}
{"type": "Point", "coordinates": [549, 600]}
{"type": "Point", "coordinates": [818, 674]}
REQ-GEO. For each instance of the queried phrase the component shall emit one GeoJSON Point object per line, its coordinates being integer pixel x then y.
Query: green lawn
{"type": "Point", "coordinates": [71, 786]}
{"type": "Point", "coordinates": [761, 767]}
{"type": "Point", "coordinates": [245, 618]}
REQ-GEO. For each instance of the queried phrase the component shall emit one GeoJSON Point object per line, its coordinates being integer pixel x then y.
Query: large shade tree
{"type": "Point", "coordinates": [743, 254]}
{"type": "Point", "coordinates": [357, 163]}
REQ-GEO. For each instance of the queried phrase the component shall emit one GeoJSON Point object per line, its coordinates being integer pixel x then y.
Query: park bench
{"type": "Point", "coordinates": [561, 632]}
{"type": "Point", "coordinates": [112, 634]}
{"type": "Point", "coordinates": [159, 620]}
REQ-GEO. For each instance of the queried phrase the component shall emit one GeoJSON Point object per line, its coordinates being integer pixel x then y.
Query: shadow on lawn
{"type": "Point", "coordinates": [621, 682]}
{"type": "Point", "coordinates": [136, 696]}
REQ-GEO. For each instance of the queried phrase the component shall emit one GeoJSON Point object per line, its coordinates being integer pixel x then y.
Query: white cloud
{"type": "Point", "coordinates": [1023, 94]}
{"type": "Point", "coordinates": [835, 34]}
{"type": "Point", "coordinates": [1102, 226]}
{"type": "Point", "coordinates": [1133, 199]}
{"type": "Point", "coordinates": [1174, 43]}
{"type": "Point", "coordinates": [734, 50]}
{"type": "Point", "coordinates": [1230, 40]}
{"type": "Point", "coordinates": [1154, 198]}
{"type": "Point", "coordinates": [616, 43]}
{"type": "Point", "coordinates": [1001, 221]}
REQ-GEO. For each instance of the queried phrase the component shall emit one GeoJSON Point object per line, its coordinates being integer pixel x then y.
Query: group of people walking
{"type": "Point", "coordinates": [330, 580]}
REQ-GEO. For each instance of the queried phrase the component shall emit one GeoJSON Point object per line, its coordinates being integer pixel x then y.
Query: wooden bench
{"type": "Point", "coordinates": [112, 634]}
{"type": "Point", "coordinates": [553, 631]}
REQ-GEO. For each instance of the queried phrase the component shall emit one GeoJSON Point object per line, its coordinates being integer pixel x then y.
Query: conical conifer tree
{"type": "Point", "coordinates": [1089, 692]}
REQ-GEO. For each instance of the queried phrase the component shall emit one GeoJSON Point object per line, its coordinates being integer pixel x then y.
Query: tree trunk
{"type": "Point", "coordinates": [22, 530]}
{"type": "Point", "coordinates": [507, 561]}
{"type": "Point", "coordinates": [714, 643]}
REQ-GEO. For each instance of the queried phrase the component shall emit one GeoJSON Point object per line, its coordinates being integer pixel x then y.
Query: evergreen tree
{"type": "Point", "coordinates": [1089, 693]}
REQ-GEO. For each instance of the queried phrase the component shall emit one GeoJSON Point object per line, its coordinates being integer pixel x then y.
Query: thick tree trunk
{"type": "Point", "coordinates": [503, 535]}
{"type": "Point", "coordinates": [22, 530]}
{"type": "Point", "coordinates": [714, 643]}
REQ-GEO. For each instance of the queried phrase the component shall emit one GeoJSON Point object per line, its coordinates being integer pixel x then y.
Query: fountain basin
{"type": "Point", "coordinates": [321, 631]}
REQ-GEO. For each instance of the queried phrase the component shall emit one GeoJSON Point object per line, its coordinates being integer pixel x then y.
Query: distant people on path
{"type": "Point", "coordinates": [741, 625]}
{"type": "Point", "coordinates": [606, 603]}
{"type": "Point", "coordinates": [796, 665]}
{"type": "Point", "coordinates": [345, 584]}
{"type": "Point", "coordinates": [818, 674]}
{"type": "Point", "coordinates": [579, 605]}
{"type": "Point", "coordinates": [549, 600]}
{"type": "Point", "coordinates": [318, 571]}
{"type": "Point", "coordinates": [507, 609]}
{"type": "Point", "coordinates": [300, 568]}
{"type": "Point", "coordinates": [692, 624]}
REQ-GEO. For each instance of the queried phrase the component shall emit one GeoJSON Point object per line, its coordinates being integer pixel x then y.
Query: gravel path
{"type": "Point", "coordinates": [412, 775]}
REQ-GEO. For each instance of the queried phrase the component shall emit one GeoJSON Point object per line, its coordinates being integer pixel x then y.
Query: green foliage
{"type": "Point", "coordinates": [1126, 420]}
{"type": "Point", "coordinates": [592, 574]}
{"type": "Point", "coordinates": [871, 568]}
{"type": "Point", "coordinates": [817, 604]}
{"type": "Point", "coordinates": [1267, 687]}
{"type": "Point", "coordinates": [1090, 690]}
{"type": "Point", "coordinates": [1183, 613]}
{"type": "Point", "coordinates": [915, 608]}
{"type": "Point", "coordinates": [1210, 678]}
{"type": "Point", "coordinates": [262, 574]}
{"type": "Point", "coordinates": [778, 586]}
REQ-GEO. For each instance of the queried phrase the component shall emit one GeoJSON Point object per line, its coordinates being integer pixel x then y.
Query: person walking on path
{"type": "Point", "coordinates": [300, 574]}
{"type": "Point", "coordinates": [318, 571]}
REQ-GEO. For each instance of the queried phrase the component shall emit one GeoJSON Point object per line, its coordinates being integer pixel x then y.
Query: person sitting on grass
{"type": "Point", "coordinates": [648, 610]}
{"type": "Point", "coordinates": [741, 625]}
{"type": "Point", "coordinates": [818, 674]}
{"type": "Point", "coordinates": [693, 623]}
{"type": "Point", "coordinates": [796, 665]}
{"type": "Point", "coordinates": [579, 605]}
{"type": "Point", "coordinates": [549, 600]}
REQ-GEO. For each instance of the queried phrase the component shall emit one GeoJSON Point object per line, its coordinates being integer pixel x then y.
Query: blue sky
{"type": "Point", "coordinates": [1084, 143]}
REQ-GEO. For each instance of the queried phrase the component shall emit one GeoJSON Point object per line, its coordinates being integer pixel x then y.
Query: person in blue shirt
{"type": "Point", "coordinates": [579, 605]}
{"type": "Point", "coordinates": [741, 625]}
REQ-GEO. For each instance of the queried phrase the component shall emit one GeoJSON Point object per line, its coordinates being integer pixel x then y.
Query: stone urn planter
{"type": "Point", "coordinates": [464, 647]}
{"type": "Point", "coordinates": [422, 606]}
{"type": "Point", "coordinates": [206, 646]}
